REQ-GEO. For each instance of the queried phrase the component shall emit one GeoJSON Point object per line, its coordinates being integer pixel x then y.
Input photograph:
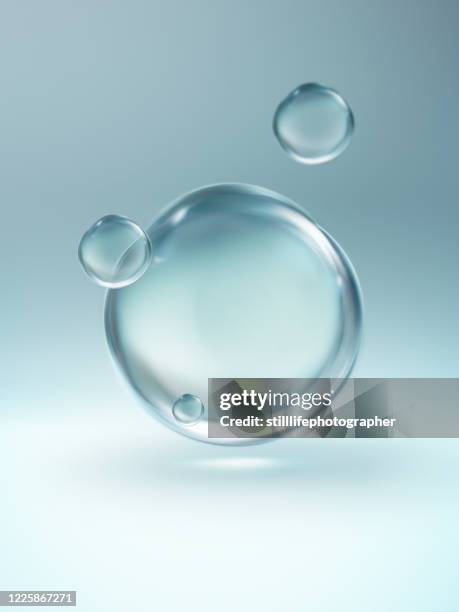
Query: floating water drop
{"type": "Point", "coordinates": [243, 285]}
{"type": "Point", "coordinates": [314, 124]}
{"type": "Point", "coordinates": [114, 252]}
{"type": "Point", "coordinates": [188, 409]}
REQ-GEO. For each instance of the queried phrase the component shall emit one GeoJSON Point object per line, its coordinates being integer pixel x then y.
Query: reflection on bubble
{"type": "Point", "coordinates": [314, 124]}
{"type": "Point", "coordinates": [188, 409]}
{"type": "Point", "coordinates": [114, 252]}
{"type": "Point", "coordinates": [244, 285]}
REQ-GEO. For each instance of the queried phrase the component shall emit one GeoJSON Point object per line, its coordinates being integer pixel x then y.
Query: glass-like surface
{"type": "Point", "coordinates": [114, 252]}
{"type": "Point", "coordinates": [314, 124]}
{"type": "Point", "coordinates": [188, 409]}
{"type": "Point", "coordinates": [243, 284]}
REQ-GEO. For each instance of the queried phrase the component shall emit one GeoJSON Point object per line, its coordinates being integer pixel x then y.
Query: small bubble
{"type": "Point", "coordinates": [188, 409]}
{"type": "Point", "coordinates": [313, 124]}
{"type": "Point", "coordinates": [114, 252]}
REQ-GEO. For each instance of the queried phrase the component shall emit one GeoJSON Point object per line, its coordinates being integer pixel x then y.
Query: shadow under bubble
{"type": "Point", "coordinates": [185, 463]}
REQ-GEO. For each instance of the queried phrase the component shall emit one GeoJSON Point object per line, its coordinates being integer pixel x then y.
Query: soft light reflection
{"type": "Point", "coordinates": [238, 463]}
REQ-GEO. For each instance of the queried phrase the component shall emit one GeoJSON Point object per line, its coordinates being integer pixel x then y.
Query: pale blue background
{"type": "Point", "coordinates": [119, 107]}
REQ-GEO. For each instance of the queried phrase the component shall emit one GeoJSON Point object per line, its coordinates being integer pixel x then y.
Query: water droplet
{"type": "Point", "coordinates": [114, 252]}
{"type": "Point", "coordinates": [188, 409]}
{"type": "Point", "coordinates": [314, 124]}
{"type": "Point", "coordinates": [244, 285]}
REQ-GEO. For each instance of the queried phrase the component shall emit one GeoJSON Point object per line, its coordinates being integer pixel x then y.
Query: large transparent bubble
{"type": "Point", "coordinates": [242, 284]}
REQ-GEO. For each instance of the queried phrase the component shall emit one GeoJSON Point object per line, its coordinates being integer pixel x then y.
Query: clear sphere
{"type": "Point", "coordinates": [114, 252]}
{"type": "Point", "coordinates": [243, 284]}
{"type": "Point", "coordinates": [188, 409]}
{"type": "Point", "coordinates": [314, 124]}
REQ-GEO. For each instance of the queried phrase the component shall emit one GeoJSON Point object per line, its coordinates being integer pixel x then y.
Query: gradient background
{"type": "Point", "coordinates": [119, 107]}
